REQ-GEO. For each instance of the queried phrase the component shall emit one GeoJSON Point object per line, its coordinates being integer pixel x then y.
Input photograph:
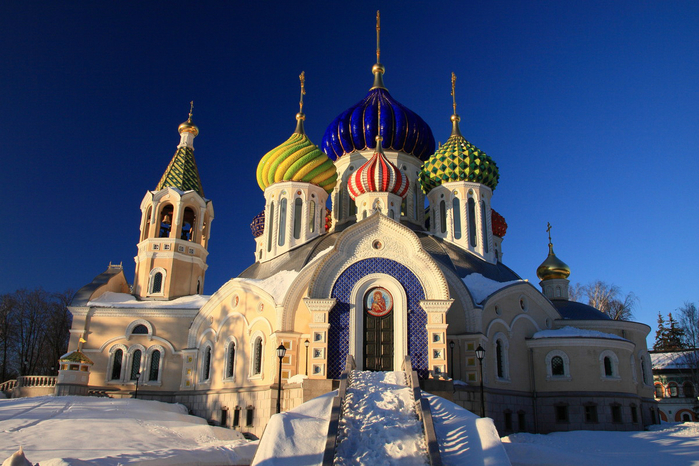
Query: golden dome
{"type": "Point", "coordinates": [188, 126]}
{"type": "Point", "coordinates": [552, 267]}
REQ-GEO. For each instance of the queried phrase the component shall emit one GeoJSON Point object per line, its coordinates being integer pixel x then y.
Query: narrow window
{"type": "Point", "coordinates": [157, 283]}
{"type": "Point", "coordinates": [298, 210]}
{"type": "Point", "coordinates": [224, 417]}
{"type": "Point", "coordinates": [590, 413]}
{"type": "Point", "coordinates": [484, 227]}
{"type": "Point", "coordinates": [634, 415]}
{"type": "Point", "coordinates": [672, 389]}
{"type": "Point", "coordinates": [391, 214]}
{"type": "Point", "coordinates": [249, 416]}
{"type": "Point", "coordinates": [608, 366]}
{"type": "Point", "coordinates": [146, 227]}
{"type": "Point", "coordinates": [136, 365]}
{"type": "Point", "coordinates": [270, 230]}
{"type": "Point", "coordinates": [659, 392]}
{"type": "Point", "coordinates": [688, 390]}
{"type": "Point", "coordinates": [557, 366]}
{"type": "Point", "coordinates": [561, 413]}
{"type": "Point", "coordinates": [236, 417]}
{"type": "Point", "coordinates": [416, 196]}
{"type": "Point", "coordinates": [686, 418]}
{"type": "Point", "coordinates": [230, 366]}
{"type": "Point", "coordinates": [644, 376]}
{"type": "Point", "coordinates": [521, 421]}
{"type": "Point", "coordinates": [403, 210]}
{"type": "Point", "coordinates": [188, 223]}
{"type": "Point", "coordinates": [498, 359]}
{"type": "Point", "coordinates": [282, 222]}
{"type": "Point", "coordinates": [352, 207]}
{"type": "Point", "coordinates": [472, 221]}
{"type": "Point", "coordinates": [616, 414]}
{"type": "Point", "coordinates": [116, 364]}
{"type": "Point", "coordinates": [442, 216]}
{"type": "Point", "coordinates": [456, 213]}
{"type": "Point", "coordinates": [154, 366]}
{"type": "Point", "coordinates": [508, 421]}
{"type": "Point", "coordinates": [257, 357]}
{"type": "Point", "coordinates": [312, 217]}
{"type": "Point", "coordinates": [207, 364]}
{"type": "Point", "coordinates": [165, 221]}
{"type": "Point", "coordinates": [364, 214]}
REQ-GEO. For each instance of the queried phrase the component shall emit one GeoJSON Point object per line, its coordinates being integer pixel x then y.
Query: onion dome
{"type": "Point", "coordinates": [328, 219]}
{"type": "Point", "coordinates": [258, 224]}
{"type": "Point", "coordinates": [499, 225]}
{"type": "Point", "coordinates": [297, 159]}
{"type": "Point", "coordinates": [458, 160]}
{"type": "Point", "coordinates": [357, 127]}
{"type": "Point", "coordinates": [552, 267]}
{"type": "Point", "coordinates": [188, 126]}
{"type": "Point", "coordinates": [377, 174]}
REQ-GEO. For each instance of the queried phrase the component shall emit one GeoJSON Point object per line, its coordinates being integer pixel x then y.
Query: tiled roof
{"type": "Point", "coordinates": [182, 172]}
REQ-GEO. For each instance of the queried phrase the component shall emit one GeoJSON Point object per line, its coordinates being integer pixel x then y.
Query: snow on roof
{"type": "Point", "coordinates": [574, 333]}
{"type": "Point", "coordinates": [675, 360]}
{"type": "Point", "coordinates": [111, 299]}
{"type": "Point", "coordinates": [481, 287]}
{"type": "Point", "coordinates": [278, 284]}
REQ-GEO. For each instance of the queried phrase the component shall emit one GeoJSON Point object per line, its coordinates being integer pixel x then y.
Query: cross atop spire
{"type": "Point", "coordinates": [378, 30]}
{"type": "Point", "coordinates": [548, 230]}
{"type": "Point", "coordinates": [191, 111]}
{"type": "Point", "coordinates": [453, 90]}
{"type": "Point", "coordinates": [302, 78]}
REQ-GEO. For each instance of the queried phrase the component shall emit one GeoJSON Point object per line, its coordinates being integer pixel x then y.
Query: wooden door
{"type": "Point", "coordinates": [378, 330]}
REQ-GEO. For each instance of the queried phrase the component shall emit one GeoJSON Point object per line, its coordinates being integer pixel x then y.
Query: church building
{"type": "Point", "coordinates": [375, 245]}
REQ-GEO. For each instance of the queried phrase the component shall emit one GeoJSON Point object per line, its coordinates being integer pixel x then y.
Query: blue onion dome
{"type": "Point", "coordinates": [458, 160]}
{"type": "Point", "coordinates": [357, 127]}
{"type": "Point", "coordinates": [258, 224]}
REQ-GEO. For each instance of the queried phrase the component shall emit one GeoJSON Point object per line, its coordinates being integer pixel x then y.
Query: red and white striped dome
{"type": "Point", "coordinates": [377, 175]}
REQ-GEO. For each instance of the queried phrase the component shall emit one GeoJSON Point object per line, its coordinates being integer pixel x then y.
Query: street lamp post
{"type": "Point", "coordinates": [138, 377]}
{"type": "Point", "coordinates": [451, 347]}
{"type": "Point", "coordinates": [281, 351]}
{"type": "Point", "coordinates": [306, 343]}
{"type": "Point", "coordinates": [480, 354]}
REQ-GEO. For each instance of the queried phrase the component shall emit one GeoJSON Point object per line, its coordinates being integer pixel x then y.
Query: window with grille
{"type": "Point", "coordinates": [557, 367]}
{"type": "Point", "coordinates": [154, 371]}
{"type": "Point", "coordinates": [116, 364]}
{"type": "Point", "coordinates": [135, 364]}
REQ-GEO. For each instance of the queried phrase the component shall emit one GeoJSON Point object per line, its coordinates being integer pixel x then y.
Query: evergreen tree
{"type": "Point", "coordinates": [660, 334]}
{"type": "Point", "coordinates": [675, 334]}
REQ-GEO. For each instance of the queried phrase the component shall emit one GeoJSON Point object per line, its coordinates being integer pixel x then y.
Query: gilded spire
{"type": "Point", "coordinates": [379, 138]}
{"type": "Point", "coordinates": [300, 115]}
{"type": "Point", "coordinates": [552, 267]}
{"type": "Point", "coordinates": [188, 126]}
{"type": "Point", "coordinates": [378, 69]}
{"type": "Point", "coordinates": [191, 110]}
{"type": "Point", "coordinates": [455, 119]}
{"type": "Point", "coordinates": [182, 172]}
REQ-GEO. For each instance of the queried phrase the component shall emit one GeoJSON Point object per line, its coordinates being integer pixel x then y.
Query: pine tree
{"type": "Point", "coordinates": [660, 334]}
{"type": "Point", "coordinates": [675, 334]}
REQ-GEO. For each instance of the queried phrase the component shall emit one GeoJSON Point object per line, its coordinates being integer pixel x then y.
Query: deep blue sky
{"type": "Point", "coordinates": [590, 110]}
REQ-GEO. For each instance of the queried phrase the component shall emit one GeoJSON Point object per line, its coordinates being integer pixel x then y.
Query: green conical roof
{"type": "Point", "coordinates": [458, 160]}
{"type": "Point", "coordinates": [182, 172]}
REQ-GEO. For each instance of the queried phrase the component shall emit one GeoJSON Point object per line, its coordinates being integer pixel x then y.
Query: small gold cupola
{"type": "Point", "coordinates": [188, 126]}
{"type": "Point", "coordinates": [553, 274]}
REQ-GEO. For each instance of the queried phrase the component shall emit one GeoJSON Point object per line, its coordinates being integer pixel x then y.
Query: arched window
{"type": "Point", "coordinates": [117, 358]}
{"type": "Point", "coordinates": [135, 365]}
{"type": "Point", "coordinates": [146, 226]}
{"type": "Point", "coordinates": [154, 372]}
{"type": "Point", "coordinates": [484, 227]}
{"type": "Point", "coordinates": [206, 364]}
{"type": "Point", "coordinates": [188, 223]}
{"type": "Point", "coordinates": [230, 360]}
{"type": "Point", "coordinates": [270, 231]}
{"type": "Point", "coordinates": [165, 221]}
{"type": "Point", "coordinates": [456, 214]}
{"type": "Point", "coordinates": [557, 367]}
{"type": "Point", "coordinates": [312, 216]}
{"type": "Point", "coordinates": [659, 391]}
{"type": "Point", "coordinates": [298, 210]}
{"type": "Point", "coordinates": [156, 281]}
{"type": "Point", "coordinates": [282, 222]}
{"type": "Point", "coordinates": [472, 222]}
{"type": "Point", "coordinates": [609, 365]}
{"type": "Point", "coordinates": [442, 216]}
{"type": "Point", "coordinates": [257, 356]}
{"type": "Point", "coordinates": [688, 390]}
{"type": "Point", "coordinates": [499, 363]}
{"type": "Point", "coordinates": [140, 329]}
{"type": "Point", "coordinates": [644, 375]}
{"type": "Point", "coordinates": [672, 390]}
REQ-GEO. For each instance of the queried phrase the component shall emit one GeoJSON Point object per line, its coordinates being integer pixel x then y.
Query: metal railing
{"type": "Point", "coordinates": [336, 412]}
{"type": "Point", "coordinates": [424, 413]}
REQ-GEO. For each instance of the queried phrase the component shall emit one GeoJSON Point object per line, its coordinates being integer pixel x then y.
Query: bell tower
{"type": "Point", "coordinates": [175, 227]}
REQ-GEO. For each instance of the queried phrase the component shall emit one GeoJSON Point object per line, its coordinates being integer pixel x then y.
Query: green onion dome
{"type": "Point", "coordinates": [458, 160]}
{"type": "Point", "coordinates": [297, 159]}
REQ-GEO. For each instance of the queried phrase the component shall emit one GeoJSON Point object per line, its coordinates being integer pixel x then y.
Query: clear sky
{"type": "Point", "coordinates": [590, 110]}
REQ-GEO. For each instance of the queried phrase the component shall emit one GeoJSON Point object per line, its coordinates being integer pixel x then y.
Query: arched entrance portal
{"type": "Point", "coordinates": [378, 330]}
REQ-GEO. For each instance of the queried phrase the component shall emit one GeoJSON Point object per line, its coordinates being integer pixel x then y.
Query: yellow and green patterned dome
{"type": "Point", "coordinates": [297, 159]}
{"type": "Point", "coordinates": [458, 160]}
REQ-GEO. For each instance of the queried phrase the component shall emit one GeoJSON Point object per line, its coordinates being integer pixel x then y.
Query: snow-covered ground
{"type": "Point", "coordinates": [104, 432]}
{"type": "Point", "coordinates": [82, 431]}
{"type": "Point", "coordinates": [667, 444]}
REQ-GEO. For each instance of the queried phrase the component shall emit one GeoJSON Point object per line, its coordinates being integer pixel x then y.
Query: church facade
{"type": "Point", "coordinates": [351, 262]}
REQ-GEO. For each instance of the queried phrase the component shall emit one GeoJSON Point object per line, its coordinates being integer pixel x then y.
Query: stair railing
{"type": "Point", "coordinates": [336, 412]}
